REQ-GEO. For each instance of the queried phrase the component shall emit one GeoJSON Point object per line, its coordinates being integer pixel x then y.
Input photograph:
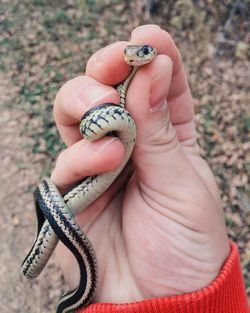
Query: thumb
{"type": "Point", "coordinates": [158, 156]}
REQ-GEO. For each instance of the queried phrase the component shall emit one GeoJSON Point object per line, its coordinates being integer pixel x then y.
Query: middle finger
{"type": "Point", "coordinates": [74, 99]}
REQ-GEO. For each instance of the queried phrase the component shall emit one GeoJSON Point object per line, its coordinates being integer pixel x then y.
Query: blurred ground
{"type": "Point", "coordinates": [45, 43]}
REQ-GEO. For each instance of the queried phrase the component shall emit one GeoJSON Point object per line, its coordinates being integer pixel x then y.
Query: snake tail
{"type": "Point", "coordinates": [51, 205]}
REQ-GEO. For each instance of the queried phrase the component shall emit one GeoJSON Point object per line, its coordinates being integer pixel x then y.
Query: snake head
{"type": "Point", "coordinates": [137, 55]}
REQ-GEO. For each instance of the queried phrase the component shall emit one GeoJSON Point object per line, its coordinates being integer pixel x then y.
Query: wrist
{"type": "Point", "coordinates": [225, 294]}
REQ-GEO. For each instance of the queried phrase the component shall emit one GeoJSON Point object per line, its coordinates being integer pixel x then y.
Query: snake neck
{"type": "Point", "coordinates": [123, 87]}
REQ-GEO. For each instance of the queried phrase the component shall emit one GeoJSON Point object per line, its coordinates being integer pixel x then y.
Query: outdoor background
{"type": "Point", "coordinates": [45, 43]}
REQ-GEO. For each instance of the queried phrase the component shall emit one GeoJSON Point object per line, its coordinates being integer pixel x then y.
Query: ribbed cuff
{"type": "Point", "coordinates": [226, 294]}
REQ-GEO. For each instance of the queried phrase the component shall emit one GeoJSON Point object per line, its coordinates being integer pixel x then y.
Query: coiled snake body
{"type": "Point", "coordinates": [55, 213]}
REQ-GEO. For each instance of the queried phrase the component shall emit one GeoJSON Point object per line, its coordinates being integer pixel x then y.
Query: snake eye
{"type": "Point", "coordinates": [145, 50]}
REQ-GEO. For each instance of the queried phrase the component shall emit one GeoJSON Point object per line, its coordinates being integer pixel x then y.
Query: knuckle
{"type": "Point", "coordinates": [67, 88]}
{"type": "Point", "coordinates": [61, 158]}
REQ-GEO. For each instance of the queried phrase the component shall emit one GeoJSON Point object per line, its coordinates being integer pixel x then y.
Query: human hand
{"type": "Point", "coordinates": [159, 229]}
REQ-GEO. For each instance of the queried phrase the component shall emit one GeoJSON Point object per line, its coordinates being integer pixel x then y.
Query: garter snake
{"type": "Point", "coordinates": [55, 213]}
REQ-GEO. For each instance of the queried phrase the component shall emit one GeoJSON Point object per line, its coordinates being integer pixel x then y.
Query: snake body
{"type": "Point", "coordinates": [55, 213]}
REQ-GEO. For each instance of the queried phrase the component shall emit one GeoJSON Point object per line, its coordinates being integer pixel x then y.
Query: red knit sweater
{"type": "Point", "coordinates": [226, 294]}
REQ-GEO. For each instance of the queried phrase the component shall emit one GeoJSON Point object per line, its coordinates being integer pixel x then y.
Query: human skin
{"type": "Point", "coordinates": [159, 230]}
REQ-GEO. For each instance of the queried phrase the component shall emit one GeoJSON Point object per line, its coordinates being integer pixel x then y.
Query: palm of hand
{"type": "Point", "coordinates": [147, 245]}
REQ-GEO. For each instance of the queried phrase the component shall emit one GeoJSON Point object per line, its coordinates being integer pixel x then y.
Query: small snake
{"type": "Point", "coordinates": [55, 213]}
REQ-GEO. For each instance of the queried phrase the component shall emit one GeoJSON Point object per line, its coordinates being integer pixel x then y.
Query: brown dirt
{"type": "Point", "coordinates": [19, 171]}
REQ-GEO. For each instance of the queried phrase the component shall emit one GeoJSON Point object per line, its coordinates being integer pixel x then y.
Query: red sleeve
{"type": "Point", "coordinates": [226, 294]}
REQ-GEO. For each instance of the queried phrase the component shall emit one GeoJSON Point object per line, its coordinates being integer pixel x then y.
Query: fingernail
{"type": "Point", "coordinates": [91, 94]}
{"type": "Point", "coordinates": [158, 94]}
{"type": "Point", "coordinates": [144, 28]}
{"type": "Point", "coordinates": [108, 49]}
{"type": "Point", "coordinates": [100, 146]}
{"type": "Point", "coordinates": [99, 55]}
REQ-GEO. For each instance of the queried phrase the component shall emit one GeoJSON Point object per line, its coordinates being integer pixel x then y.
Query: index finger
{"type": "Point", "coordinates": [107, 66]}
